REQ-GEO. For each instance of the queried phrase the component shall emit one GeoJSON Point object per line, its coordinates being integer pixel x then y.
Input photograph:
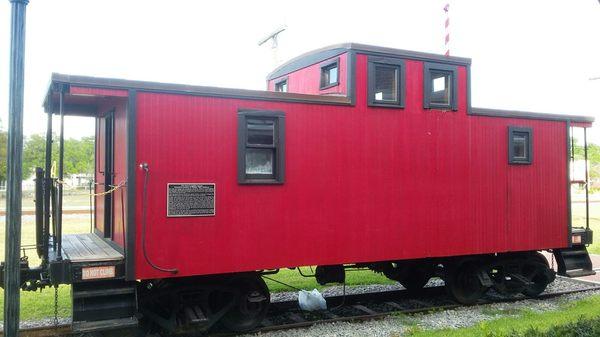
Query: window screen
{"type": "Point", "coordinates": [386, 82]}
{"type": "Point", "coordinates": [261, 147]}
{"type": "Point", "coordinates": [260, 135]}
{"type": "Point", "coordinates": [519, 145]}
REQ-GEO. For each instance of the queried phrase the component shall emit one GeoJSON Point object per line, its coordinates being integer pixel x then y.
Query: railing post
{"type": "Point", "coordinates": [14, 169]}
{"type": "Point", "coordinates": [48, 183]}
{"type": "Point", "coordinates": [61, 156]}
{"type": "Point", "coordinates": [587, 180]}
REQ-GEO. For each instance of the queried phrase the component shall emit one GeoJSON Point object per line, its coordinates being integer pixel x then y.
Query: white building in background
{"type": "Point", "coordinates": [80, 181]}
{"type": "Point", "coordinates": [578, 174]}
{"type": "Point", "coordinates": [578, 170]}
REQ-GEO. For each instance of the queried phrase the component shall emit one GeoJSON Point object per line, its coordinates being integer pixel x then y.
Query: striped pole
{"type": "Point", "coordinates": [447, 39]}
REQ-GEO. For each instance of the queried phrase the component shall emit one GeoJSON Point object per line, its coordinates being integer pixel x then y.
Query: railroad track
{"type": "Point", "coordinates": [355, 307]}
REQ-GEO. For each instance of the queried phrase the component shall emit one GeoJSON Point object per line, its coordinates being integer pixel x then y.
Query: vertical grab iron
{"type": "Point", "coordinates": [61, 155]}
{"type": "Point", "coordinates": [47, 183]}
{"type": "Point", "coordinates": [587, 180]}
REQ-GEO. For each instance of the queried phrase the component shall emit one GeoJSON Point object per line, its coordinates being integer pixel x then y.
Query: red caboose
{"type": "Point", "coordinates": [355, 156]}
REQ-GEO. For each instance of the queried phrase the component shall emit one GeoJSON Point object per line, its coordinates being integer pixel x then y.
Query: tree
{"type": "Point", "coordinates": [34, 154]}
{"type": "Point", "coordinates": [593, 152]}
{"type": "Point", "coordinates": [78, 158]}
{"type": "Point", "coordinates": [79, 155]}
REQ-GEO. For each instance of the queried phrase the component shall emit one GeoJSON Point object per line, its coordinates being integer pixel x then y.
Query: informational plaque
{"type": "Point", "coordinates": [190, 199]}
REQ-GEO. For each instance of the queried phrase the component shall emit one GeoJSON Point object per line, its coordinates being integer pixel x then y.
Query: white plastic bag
{"type": "Point", "coordinates": [311, 301]}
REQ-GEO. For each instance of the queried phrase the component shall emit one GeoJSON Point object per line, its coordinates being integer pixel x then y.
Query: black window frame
{"type": "Point", "coordinates": [512, 131]}
{"type": "Point", "coordinates": [428, 68]}
{"type": "Point", "coordinates": [401, 81]}
{"type": "Point", "coordinates": [279, 82]}
{"type": "Point", "coordinates": [278, 175]}
{"type": "Point", "coordinates": [326, 66]}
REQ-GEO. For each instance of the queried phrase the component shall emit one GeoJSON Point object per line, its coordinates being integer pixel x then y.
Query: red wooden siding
{"type": "Point", "coordinates": [120, 174]}
{"type": "Point", "coordinates": [362, 183]}
{"type": "Point", "coordinates": [99, 175]}
{"type": "Point", "coordinates": [307, 80]}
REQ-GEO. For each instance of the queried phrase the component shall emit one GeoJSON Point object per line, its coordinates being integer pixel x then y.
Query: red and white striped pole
{"type": "Point", "coordinates": [447, 39]}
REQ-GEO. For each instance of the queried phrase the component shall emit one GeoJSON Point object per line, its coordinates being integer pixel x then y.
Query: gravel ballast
{"type": "Point", "coordinates": [453, 318]}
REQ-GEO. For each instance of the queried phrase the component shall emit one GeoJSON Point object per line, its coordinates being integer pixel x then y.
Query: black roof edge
{"type": "Point", "coordinates": [112, 83]}
{"type": "Point", "coordinates": [321, 54]}
{"type": "Point", "coordinates": [101, 82]}
{"type": "Point", "coordinates": [530, 115]}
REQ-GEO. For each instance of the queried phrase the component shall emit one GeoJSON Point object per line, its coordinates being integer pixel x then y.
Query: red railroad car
{"type": "Point", "coordinates": [356, 156]}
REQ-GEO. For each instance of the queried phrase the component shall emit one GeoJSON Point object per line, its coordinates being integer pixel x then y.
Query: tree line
{"type": "Point", "coordinates": [78, 157]}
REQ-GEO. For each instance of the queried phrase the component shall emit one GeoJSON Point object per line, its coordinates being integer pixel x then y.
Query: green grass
{"type": "Point", "coordinates": [40, 304]}
{"type": "Point", "coordinates": [520, 321]}
{"type": "Point", "coordinates": [292, 277]}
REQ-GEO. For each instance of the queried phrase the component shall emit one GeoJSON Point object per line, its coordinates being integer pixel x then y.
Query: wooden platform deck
{"type": "Point", "coordinates": [88, 247]}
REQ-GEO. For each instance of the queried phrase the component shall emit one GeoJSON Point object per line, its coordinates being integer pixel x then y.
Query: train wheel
{"type": "Point", "coordinates": [464, 285]}
{"type": "Point", "coordinates": [507, 275]}
{"type": "Point", "coordinates": [416, 280]}
{"type": "Point", "coordinates": [538, 272]}
{"type": "Point", "coordinates": [250, 304]}
{"type": "Point", "coordinates": [412, 276]}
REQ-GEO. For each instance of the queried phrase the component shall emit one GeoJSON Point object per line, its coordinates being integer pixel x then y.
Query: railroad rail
{"type": "Point", "coordinates": [286, 315]}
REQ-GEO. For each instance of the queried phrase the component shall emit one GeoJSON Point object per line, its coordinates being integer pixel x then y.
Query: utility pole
{"type": "Point", "coordinates": [14, 162]}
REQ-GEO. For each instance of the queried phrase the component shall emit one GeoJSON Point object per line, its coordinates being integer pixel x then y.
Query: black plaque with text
{"type": "Point", "coordinates": [190, 199]}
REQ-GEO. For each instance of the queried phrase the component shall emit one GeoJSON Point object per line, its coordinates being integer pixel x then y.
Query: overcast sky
{"type": "Point", "coordinates": [527, 55]}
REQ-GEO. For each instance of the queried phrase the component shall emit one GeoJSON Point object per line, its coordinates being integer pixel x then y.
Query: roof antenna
{"type": "Point", "coordinates": [275, 43]}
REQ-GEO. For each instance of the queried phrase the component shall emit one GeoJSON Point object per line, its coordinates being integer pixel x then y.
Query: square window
{"type": "Point", "coordinates": [440, 83]}
{"type": "Point", "coordinates": [261, 147]}
{"type": "Point", "coordinates": [520, 141]}
{"type": "Point", "coordinates": [282, 86]}
{"type": "Point", "coordinates": [386, 82]}
{"type": "Point", "coordinates": [329, 74]}
{"type": "Point", "coordinates": [519, 145]}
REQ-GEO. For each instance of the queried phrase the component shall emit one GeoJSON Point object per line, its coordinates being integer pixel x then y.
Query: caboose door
{"type": "Point", "coordinates": [104, 173]}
